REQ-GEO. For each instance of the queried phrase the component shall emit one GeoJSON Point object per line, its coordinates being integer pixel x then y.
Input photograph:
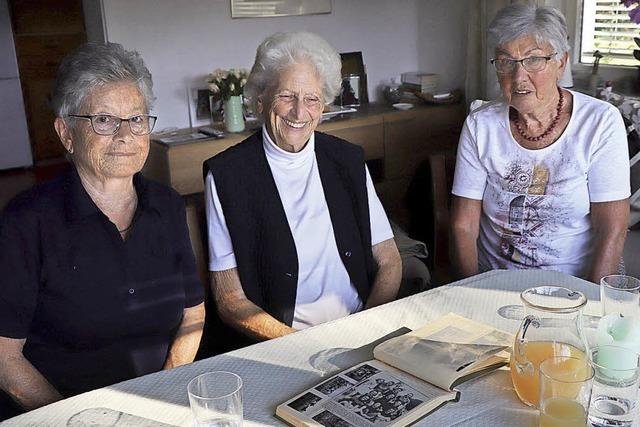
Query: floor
{"type": "Point", "coordinates": [17, 180]}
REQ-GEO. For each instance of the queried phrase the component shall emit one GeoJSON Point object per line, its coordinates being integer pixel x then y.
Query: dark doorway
{"type": "Point", "coordinates": [44, 32]}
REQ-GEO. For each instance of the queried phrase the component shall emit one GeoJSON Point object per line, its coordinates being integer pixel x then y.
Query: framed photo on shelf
{"type": "Point", "coordinates": [353, 65]}
{"type": "Point", "coordinates": [270, 8]}
{"type": "Point", "coordinates": [199, 106]}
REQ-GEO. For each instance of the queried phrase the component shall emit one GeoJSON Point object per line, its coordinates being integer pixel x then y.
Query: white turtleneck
{"type": "Point", "coordinates": [325, 291]}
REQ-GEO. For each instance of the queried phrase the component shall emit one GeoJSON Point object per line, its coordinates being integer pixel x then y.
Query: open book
{"type": "Point", "coordinates": [411, 375]}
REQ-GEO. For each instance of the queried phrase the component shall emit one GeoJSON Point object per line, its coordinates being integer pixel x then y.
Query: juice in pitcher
{"type": "Point", "coordinates": [552, 327]}
{"type": "Point", "coordinates": [525, 372]}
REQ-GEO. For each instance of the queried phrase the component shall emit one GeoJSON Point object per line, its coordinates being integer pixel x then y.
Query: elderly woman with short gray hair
{"type": "Point", "coordinates": [98, 282]}
{"type": "Point", "coordinates": [297, 234]}
{"type": "Point", "coordinates": [542, 175]}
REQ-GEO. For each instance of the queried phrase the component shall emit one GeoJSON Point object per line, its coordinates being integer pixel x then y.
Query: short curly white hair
{"type": "Point", "coordinates": [545, 24]}
{"type": "Point", "coordinates": [280, 50]}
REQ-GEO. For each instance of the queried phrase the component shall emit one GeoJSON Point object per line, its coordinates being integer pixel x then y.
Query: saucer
{"type": "Point", "coordinates": [402, 106]}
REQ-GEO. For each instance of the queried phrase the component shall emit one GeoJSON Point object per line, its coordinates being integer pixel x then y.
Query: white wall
{"type": "Point", "coordinates": [181, 41]}
{"type": "Point", "coordinates": [442, 40]}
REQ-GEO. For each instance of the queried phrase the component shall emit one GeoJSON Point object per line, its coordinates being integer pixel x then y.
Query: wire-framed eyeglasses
{"type": "Point", "coordinates": [106, 124]}
{"type": "Point", "coordinates": [531, 63]}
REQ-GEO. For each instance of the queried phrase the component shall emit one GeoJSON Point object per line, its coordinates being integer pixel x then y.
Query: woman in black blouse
{"type": "Point", "coordinates": [98, 282]}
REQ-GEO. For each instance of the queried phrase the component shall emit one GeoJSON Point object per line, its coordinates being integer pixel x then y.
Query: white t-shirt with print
{"type": "Point", "coordinates": [325, 291]}
{"type": "Point", "coordinates": [536, 203]}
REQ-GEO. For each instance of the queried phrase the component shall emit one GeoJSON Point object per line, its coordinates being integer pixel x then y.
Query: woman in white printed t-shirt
{"type": "Point", "coordinates": [542, 175]}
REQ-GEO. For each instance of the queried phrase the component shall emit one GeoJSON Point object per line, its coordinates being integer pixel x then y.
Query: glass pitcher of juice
{"type": "Point", "coordinates": [552, 326]}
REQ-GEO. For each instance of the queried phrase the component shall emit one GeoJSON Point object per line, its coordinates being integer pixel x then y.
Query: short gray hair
{"type": "Point", "coordinates": [95, 64]}
{"type": "Point", "coordinates": [545, 24]}
{"type": "Point", "coordinates": [280, 50]}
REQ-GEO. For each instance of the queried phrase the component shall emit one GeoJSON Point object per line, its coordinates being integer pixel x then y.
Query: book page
{"type": "Point", "coordinates": [368, 394]}
{"type": "Point", "coordinates": [446, 350]}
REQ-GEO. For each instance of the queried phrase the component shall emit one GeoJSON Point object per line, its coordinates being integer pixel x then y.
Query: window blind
{"type": "Point", "coordinates": [606, 27]}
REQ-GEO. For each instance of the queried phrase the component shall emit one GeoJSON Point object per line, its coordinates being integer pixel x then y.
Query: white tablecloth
{"type": "Point", "coordinates": [276, 370]}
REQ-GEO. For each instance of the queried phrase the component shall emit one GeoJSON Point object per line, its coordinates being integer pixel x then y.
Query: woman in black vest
{"type": "Point", "coordinates": [297, 234]}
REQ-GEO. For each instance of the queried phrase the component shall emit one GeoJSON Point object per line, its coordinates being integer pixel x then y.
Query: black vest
{"type": "Point", "coordinates": [262, 241]}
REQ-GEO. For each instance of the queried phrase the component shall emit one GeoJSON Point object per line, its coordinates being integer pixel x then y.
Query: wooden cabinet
{"type": "Point", "coordinates": [398, 140]}
{"type": "Point", "coordinates": [410, 137]}
{"type": "Point", "coordinates": [367, 132]}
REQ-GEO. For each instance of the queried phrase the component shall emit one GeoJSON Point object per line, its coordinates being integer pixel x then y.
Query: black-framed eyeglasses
{"type": "Point", "coordinates": [531, 63]}
{"type": "Point", "coordinates": [106, 124]}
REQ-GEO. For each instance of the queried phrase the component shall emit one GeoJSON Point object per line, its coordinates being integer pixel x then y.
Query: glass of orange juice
{"type": "Point", "coordinates": [565, 391]}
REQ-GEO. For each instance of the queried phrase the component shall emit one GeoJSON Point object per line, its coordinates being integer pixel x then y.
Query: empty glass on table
{"type": "Point", "coordinates": [216, 399]}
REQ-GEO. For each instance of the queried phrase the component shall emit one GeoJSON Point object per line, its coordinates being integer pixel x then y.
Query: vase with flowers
{"type": "Point", "coordinates": [228, 85]}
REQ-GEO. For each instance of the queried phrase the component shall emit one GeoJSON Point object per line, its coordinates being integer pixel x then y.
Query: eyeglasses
{"type": "Point", "coordinates": [106, 124]}
{"type": "Point", "coordinates": [312, 102]}
{"type": "Point", "coordinates": [532, 64]}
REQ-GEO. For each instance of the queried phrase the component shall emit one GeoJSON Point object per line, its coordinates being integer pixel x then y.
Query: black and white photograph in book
{"type": "Point", "coordinates": [333, 386]}
{"type": "Point", "coordinates": [380, 399]}
{"type": "Point", "coordinates": [305, 402]}
{"type": "Point", "coordinates": [329, 419]}
{"type": "Point", "coordinates": [362, 372]}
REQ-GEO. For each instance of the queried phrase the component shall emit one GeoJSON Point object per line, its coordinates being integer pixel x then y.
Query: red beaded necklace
{"type": "Point", "coordinates": [551, 127]}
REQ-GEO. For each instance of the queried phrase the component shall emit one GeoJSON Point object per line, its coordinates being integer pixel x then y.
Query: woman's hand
{"type": "Point", "coordinates": [21, 380]}
{"type": "Point", "coordinates": [465, 227]}
{"type": "Point", "coordinates": [237, 311]}
{"type": "Point", "coordinates": [185, 345]}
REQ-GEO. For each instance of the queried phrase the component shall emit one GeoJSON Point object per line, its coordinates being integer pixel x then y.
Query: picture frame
{"type": "Point", "coordinates": [199, 106]}
{"type": "Point", "coordinates": [269, 8]}
{"type": "Point", "coordinates": [353, 65]}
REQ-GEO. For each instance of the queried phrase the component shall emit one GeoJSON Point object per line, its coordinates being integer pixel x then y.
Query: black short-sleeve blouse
{"type": "Point", "coordinates": [94, 309]}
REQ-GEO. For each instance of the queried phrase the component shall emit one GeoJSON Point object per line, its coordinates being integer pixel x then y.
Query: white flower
{"type": "Point", "coordinates": [220, 74]}
{"type": "Point", "coordinates": [227, 81]}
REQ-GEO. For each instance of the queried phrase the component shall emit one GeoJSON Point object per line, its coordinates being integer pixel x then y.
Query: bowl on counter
{"type": "Point", "coordinates": [402, 106]}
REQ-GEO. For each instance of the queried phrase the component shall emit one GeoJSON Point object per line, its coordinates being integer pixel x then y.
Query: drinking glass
{"type": "Point", "coordinates": [216, 399]}
{"type": "Point", "coordinates": [620, 294]}
{"type": "Point", "coordinates": [614, 398]}
{"type": "Point", "coordinates": [620, 322]}
{"type": "Point", "coordinates": [565, 391]}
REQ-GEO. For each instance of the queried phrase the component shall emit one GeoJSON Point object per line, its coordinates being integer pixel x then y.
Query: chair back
{"type": "Point", "coordinates": [429, 199]}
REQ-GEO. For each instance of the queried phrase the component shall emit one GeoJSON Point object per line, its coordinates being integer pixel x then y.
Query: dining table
{"type": "Point", "coordinates": [276, 370]}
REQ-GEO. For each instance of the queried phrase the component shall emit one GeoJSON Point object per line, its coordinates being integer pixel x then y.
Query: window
{"type": "Point", "coordinates": [606, 27]}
